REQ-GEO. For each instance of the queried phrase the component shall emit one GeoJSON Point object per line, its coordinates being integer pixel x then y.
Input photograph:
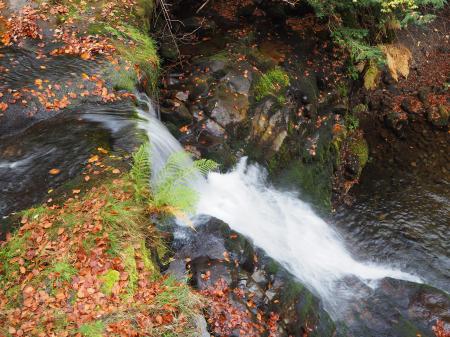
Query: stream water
{"type": "Point", "coordinates": [284, 226]}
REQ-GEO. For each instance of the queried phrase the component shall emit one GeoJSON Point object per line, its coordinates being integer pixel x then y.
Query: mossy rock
{"type": "Point", "coordinates": [109, 279]}
{"type": "Point", "coordinates": [360, 148]}
{"type": "Point", "coordinates": [274, 83]}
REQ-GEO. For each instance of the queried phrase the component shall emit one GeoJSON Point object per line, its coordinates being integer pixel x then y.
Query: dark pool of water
{"type": "Point", "coordinates": [34, 140]}
{"type": "Point", "coordinates": [401, 212]}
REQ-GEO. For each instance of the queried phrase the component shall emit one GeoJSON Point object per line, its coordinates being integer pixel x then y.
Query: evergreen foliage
{"type": "Point", "coordinates": [361, 25]}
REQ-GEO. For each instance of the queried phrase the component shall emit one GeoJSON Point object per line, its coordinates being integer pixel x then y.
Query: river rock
{"type": "Point", "coordinates": [269, 126]}
{"type": "Point", "coordinates": [228, 106]}
{"type": "Point", "coordinates": [216, 252]}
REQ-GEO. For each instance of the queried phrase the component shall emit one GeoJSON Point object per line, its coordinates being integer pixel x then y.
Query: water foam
{"type": "Point", "coordinates": [278, 222]}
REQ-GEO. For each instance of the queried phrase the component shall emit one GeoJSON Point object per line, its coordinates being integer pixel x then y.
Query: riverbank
{"type": "Point", "coordinates": [88, 264]}
{"type": "Point", "coordinates": [102, 255]}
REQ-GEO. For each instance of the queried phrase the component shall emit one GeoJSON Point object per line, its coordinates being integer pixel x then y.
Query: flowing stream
{"type": "Point", "coordinates": [285, 227]}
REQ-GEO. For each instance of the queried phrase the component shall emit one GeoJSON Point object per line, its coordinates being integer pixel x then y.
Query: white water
{"type": "Point", "coordinates": [285, 227]}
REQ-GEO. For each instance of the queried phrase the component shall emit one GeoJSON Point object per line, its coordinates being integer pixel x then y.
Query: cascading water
{"type": "Point", "coordinates": [286, 228]}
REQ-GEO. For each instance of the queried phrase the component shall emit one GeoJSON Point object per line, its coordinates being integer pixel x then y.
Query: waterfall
{"type": "Point", "coordinates": [278, 222]}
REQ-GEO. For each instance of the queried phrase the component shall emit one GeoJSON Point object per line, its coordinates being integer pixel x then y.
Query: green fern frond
{"type": "Point", "coordinates": [204, 166]}
{"type": "Point", "coordinates": [141, 170]}
{"type": "Point", "coordinates": [173, 187]}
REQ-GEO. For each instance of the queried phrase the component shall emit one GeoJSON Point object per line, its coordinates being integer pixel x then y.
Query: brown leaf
{"type": "Point", "coordinates": [54, 171]}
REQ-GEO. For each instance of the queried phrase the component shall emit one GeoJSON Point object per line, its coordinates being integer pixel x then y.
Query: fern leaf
{"type": "Point", "coordinates": [141, 170]}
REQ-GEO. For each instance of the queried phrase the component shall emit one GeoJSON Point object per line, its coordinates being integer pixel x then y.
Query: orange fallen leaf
{"type": "Point", "coordinates": [54, 171]}
{"type": "Point", "coordinates": [75, 191]}
{"type": "Point", "coordinates": [116, 171]}
{"type": "Point", "coordinates": [85, 56]}
{"type": "Point", "coordinates": [93, 159]}
{"type": "Point", "coordinates": [87, 178]}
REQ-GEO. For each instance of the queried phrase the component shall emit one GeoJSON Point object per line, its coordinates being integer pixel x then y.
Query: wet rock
{"type": "Point", "coordinates": [395, 308]}
{"type": "Point", "coordinates": [200, 87]}
{"type": "Point", "coordinates": [206, 273]}
{"type": "Point", "coordinates": [177, 269]}
{"type": "Point", "coordinates": [340, 109]}
{"type": "Point", "coordinates": [229, 256]}
{"type": "Point", "coordinates": [396, 122]}
{"type": "Point", "coordinates": [169, 50]}
{"type": "Point", "coordinates": [299, 309]}
{"type": "Point", "coordinates": [438, 116]}
{"type": "Point", "coordinates": [238, 82]}
{"type": "Point", "coordinates": [423, 94]}
{"type": "Point", "coordinates": [201, 327]}
{"type": "Point", "coordinates": [408, 105]}
{"type": "Point", "coordinates": [200, 25]}
{"type": "Point", "coordinates": [269, 125]}
{"type": "Point", "coordinates": [259, 277]}
{"type": "Point", "coordinates": [214, 128]}
{"type": "Point", "coordinates": [182, 96]}
{"type": "Point", "coordinates": [175, 112]}
{"type": "Point", "coordinates": [419, 303]}
{"type": "Point", "coordinates": [228, 106]}
{"type": "Point", "coordinates": [352, 167]}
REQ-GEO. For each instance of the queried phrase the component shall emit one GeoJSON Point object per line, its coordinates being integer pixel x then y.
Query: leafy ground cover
{"type": "Point", "coordinates": [84, 268]}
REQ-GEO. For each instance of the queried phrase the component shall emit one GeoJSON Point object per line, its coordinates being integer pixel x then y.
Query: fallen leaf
{"type": "Point", "coordinates": [54, 171]}
{"type": "Point", "coordinates": [85, 56]}
{"type": "Point", "coordinates": [93, 159]}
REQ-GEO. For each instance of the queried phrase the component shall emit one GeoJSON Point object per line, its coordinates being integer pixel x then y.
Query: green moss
{"type": "Point", "coordinates": [14, 248]}
{"type": "Point", "coordinates": [97, 28]}
{"type": "Point", "coordinates": [131, 268]}
{"type": "Point", "coordinates": [61, 321]}
{"type": "Point", "coordinates": [342, 89]}
{"type": "Point", "coordinates": [64, 271]}
{"type": "Point", "coordinates": [360, 148]}
{"type": "Point", "coordinates": [313, 180]}
{"type": "Point", "coordinates": [371, 76]}
{"type": "Point", "coordinates": [180, 294]}
{"type": "Point", "coordinates": [89, 241]}
{"type": "Point", "coordinates": [221, 56]}
{"type": "Point", "coordinates": [35, 212]}
{"type": "Point", "coordinates": [142, 53]}
{"type": "Point", "coordinates": [360, 108]}
{"type": "Point", "coordinates": [94, 329]}
{"type": "Point", "coordinates": [109, 279]}
{"type": "Point", "coordinates": [14, 296]}
{"type": "Point", "coordinates": [351, 122]}
{"type": "Point", "coordinates": [273, 83]}
{"type": "Point", "coordinates": [148, 264]}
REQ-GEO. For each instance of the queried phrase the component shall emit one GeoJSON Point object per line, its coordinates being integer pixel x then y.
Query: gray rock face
{"type": "Point", "coordinates": [228, 106]}
{"type": "Point", "coordinates": [216, 252]}
{"type": "Point", "coordinates": [269, 126]}
{"type": "Point", "coordinates": [201, 326]}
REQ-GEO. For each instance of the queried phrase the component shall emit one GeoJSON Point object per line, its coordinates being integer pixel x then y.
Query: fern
{"type": "Point", "coordinates": [140, 171]}
{"type": "Point", "coordinates": [354, 41]}
{"type": "Point", "coordinates": [173, 185]}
